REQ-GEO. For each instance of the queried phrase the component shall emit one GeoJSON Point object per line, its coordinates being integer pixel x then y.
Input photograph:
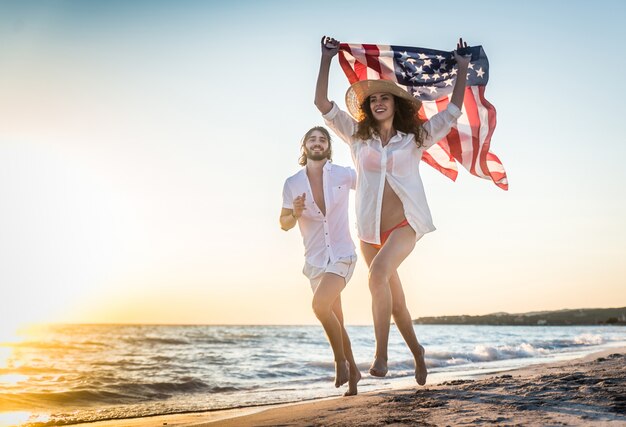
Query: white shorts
{"type": "Point", "coordinates": [344, 267]}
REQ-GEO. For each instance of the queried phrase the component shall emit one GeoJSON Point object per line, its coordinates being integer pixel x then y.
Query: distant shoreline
{"type": "Point", "coordinates": [567, 317]}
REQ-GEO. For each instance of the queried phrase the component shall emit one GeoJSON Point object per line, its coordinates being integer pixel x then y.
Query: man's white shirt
{"type": "Point", "coordinates": [326, 237]}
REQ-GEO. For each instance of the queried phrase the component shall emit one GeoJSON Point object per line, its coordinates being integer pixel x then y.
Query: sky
{"type": "Point", "coordinates": [144, 146]}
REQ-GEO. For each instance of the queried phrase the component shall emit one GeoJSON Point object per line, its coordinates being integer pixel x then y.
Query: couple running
{"type": "Point", "coordinates": [386, 139]}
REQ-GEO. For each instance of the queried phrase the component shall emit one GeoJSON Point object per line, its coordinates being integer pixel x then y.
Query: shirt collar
{"type": "Point", "coordinates": [399, 136]}
{"type": "Point", "coordinates": [326, 166]}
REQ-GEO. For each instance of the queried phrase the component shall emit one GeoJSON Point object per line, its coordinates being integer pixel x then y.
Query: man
{"type": "Point", "coordinates": [317, 199]}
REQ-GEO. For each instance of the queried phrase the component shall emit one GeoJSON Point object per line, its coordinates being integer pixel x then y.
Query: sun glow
{"type": "Point", "coordinates": [11, 334]}
{"type": "Point", "coordinates": [8, 419]}
{"type": "Point", "coordinates": [8, 333]}
{"type": "Point", "coordinates": [14, 331]}
{"type": "Point", "coordinates": [12, 379]}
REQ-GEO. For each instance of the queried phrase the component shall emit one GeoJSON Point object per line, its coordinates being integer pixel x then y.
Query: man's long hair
{"type": "Point", "coordinates": [406, 119]}
{"type": "Point", "coordinates": [302, 160]}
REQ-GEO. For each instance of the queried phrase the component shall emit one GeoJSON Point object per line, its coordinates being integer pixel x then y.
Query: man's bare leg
{"type": "Point", "coordinates": [403, 321]}
{"type": "Point", "coordinates": [325, 295]}
{"type": "Point", "coordinates": [355, 374]}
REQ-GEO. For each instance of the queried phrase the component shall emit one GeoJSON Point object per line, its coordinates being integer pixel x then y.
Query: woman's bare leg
{"type": "Point", "coordinates": [379, 366]}
{"type": "Point", "coordinates": [382, 267]}
{"type": "Point", "coordinates": [404, 322]}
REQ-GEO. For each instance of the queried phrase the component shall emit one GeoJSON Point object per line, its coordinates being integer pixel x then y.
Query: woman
{"type": "Point", "coordinates": [387, 141]}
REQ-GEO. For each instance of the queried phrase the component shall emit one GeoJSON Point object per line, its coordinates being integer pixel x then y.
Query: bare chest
{"type": "Point", "coordinates": [317, 188]}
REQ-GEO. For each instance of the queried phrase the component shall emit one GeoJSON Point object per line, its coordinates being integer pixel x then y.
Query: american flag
{"type": "Point", "coordinates": [429, 75]}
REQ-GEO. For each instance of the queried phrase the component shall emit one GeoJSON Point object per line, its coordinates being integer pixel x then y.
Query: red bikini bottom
{"type": "Point", "coordinates": [385, 234]}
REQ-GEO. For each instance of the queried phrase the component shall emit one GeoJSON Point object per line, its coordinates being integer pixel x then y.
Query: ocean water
{"type": "Point", "coordinates": [65, 374]}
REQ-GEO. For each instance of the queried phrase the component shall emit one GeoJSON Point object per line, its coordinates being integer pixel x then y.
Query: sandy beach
{"type": "Point", "coordinates": [586, 391]}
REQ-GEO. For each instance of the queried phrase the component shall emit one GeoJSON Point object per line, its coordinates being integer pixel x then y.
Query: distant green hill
{"type": "Point", "coordinates": [582, 316]}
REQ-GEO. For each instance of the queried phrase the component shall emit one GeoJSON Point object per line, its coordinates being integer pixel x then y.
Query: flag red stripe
{"type": "Point", "coordinates": [450, 173]}
{"type": "Point", "coordinates": [371, 55]}
{"type": "Point", "coordinates": [499, 178]}
{"type": "Point", "coordinates": [453, 139]}
{"type": "Point", "coordinates": [491, 112]}
{"type": "Point", "coordinates": [361, 70]}
{"type": "Point", "coordinates": [344, 49]}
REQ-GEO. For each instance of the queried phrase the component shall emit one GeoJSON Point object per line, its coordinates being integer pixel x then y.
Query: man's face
{"type": "Point", "coordinates": [316, 146]}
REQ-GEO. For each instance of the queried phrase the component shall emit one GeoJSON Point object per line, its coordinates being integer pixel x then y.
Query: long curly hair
{"type": "Point", "coordinates": [406, 119]}
{"type": "Point", "coordinates": [302, 160]}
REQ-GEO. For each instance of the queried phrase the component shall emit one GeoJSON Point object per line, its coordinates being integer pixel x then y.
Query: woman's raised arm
{"type": "Point", "coordinates": [461, 78]}
{"type": "Point", "coordinates": [330, 47]}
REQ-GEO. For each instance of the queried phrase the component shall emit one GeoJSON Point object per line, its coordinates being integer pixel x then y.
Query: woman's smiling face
{"type": "Point", "coordinates": [383, 106]}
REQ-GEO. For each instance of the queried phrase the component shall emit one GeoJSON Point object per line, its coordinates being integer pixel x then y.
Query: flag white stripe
{"type": "Point", "coordinates": [495, 166]}
{"type": "Point", "coordinates": [465, 139]}
{"type": "Point", "coordinates": [440, 156]}
{"type": "Point", "coordinates": [358, 51]}
{"type": "Point", "coordinates": [430, 109]}
{"type": "Point", "coordinates": [385, 58]}
{"type": "Point", "coordinates": [483, 117]}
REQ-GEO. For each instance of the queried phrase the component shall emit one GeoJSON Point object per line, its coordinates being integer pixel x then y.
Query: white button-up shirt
{"type": "Point", "coordinates": [398, 162]}
{"type": "Point", "coordinates": [326, 237]}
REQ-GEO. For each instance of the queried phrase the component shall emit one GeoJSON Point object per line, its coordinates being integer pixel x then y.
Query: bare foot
{"type": "Point", "coordinates": [342, 373]}
{"type": "Point", "coordinates": [420, 368]}
{"type": "Point", "coordinates": [378, 368]}
{"type": "Point", "coordinates": [355, 377]}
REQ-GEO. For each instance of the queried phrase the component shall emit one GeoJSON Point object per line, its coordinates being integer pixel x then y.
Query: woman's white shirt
{"type": "Point", "coordinates": [398, 162]}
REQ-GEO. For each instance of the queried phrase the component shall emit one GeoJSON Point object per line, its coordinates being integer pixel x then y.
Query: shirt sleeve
{"type": "Point", "coordinates": [352, 179]}
{"type": "Point", "coordinates": [287, 196]}
{"type": "Point", "coordinates": [440, 124]}
{"type": "Point", "coordinates": [341, 123]}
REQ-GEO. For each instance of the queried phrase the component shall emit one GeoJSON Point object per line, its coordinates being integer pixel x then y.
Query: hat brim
{"type": "Point", "coordinates": [361, 90]}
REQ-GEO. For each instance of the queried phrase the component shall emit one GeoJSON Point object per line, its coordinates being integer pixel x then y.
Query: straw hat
{"type": "Point", "coordinates": [359, 91]}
